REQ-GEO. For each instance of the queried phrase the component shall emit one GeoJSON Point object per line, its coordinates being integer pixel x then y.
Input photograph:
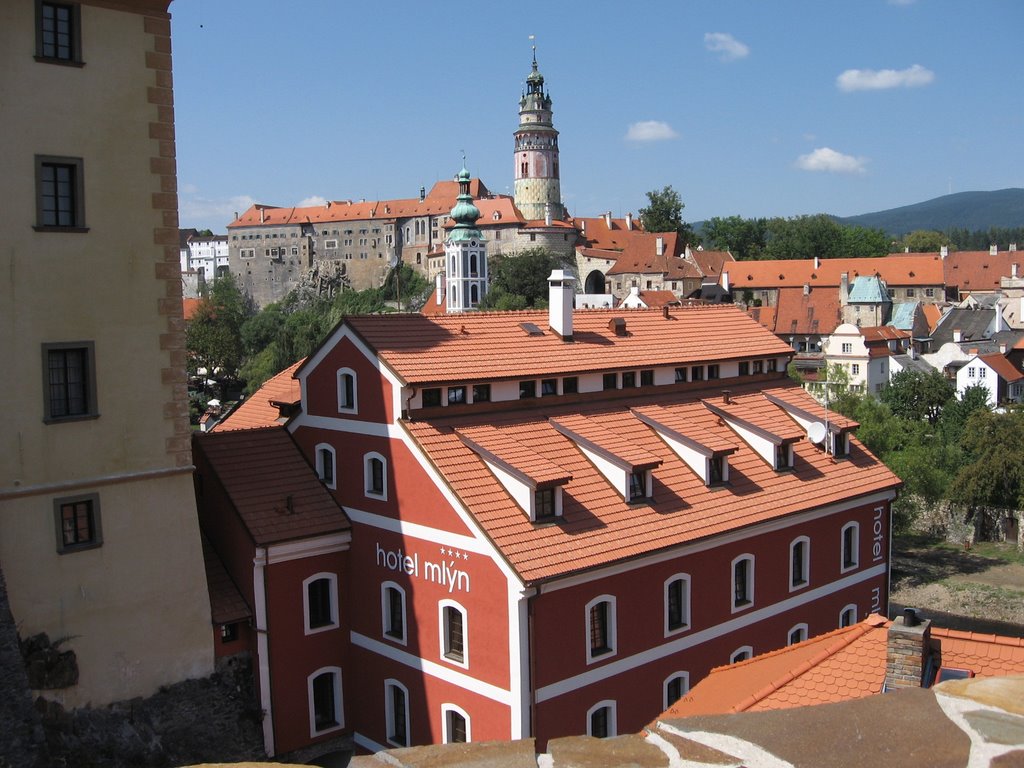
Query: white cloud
{"type": "Point", "coordinates": [650, 130]}
{"type": "Point", "coordinates": [830, 161]}
{"type": "Point", "coordinates": [312, 200]}
{"type": "Point", "coordinates": [726, 45]}
{"type": "Point", "coordinates": [204, 212]}
{"type": "Point", "coordinates": [879, 79]}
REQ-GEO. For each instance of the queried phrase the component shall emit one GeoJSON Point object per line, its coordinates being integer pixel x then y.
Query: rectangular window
{"type": "Point", "coordinates": [78, 522]}
{"type": "Point", "coordinates": [58, 37]}
{"type": "Point", "coordinates": [481, 393]}
{"type": "Point", "coordinates": [610, 381]}
{"type": "Point", "coordinates": [712, 372]}
{"type": "Point", "coordinates": [773, 365]}
{"type": "Point", "coordinates": [847, 348]}
{"type": "Point", "coordinates": [456, 395]}
{"type": "Point", "coordinates": [70, 381]}
{"type": "Point", "coordinates": [325, 713]}
{"type": "Point", "coordinates": [397, 719]}
{"type": "Point", "coordinates": [855, 369]}
{"type": "Point", "coordinates": [910, 293]}
{"type": "Point", "coordinates": [758, 367]}
{"type": "Point", "coordinates": [697, 373]}
{"type": "Point", "coordinates": [431, 397]}
{"type": "Point", "coordinates": [457, 730]}
{"type": "Point", "coordinates": [60, 197]}
{"type": "Point", "coordinates": [321, 608]}
{"type": "Point", "coordinates": [929, 292]}
{"type": "Point", "coordinates": [247, 253]}
{"type": "Point", "coordinates": [454, 644]}
{"type": "Point", "coordinates": [647, 378]}
{"type": "Point", "coordinates": [527, 389]}
{"type": "Point", "coordinates": [628, 379]}
{"type": "Point", "coordinates": [676, 604]}
{"type": "Point", "coordinates": [741, 581]}
{"type": "Point", "coordinates": [716, 470]}
{"type": "Point", "coordinates": [798, 564]}
{"type": "Point", "coordinates": [599, 723]}
{"type": "Point", "coordinates": [744, 368]}
{"type": "Point", "coordinates": [544, 504]}
{"type": "Point", "coordinates": [680, 375]}
{"type": "Point", "coordinates": [570, 385]}
{"type": "Point", "coordinates": [548, 387]}
{"type": "Point", "coordinates": [638, 485]}
{"type": "Point", "coordinates": [599, 635]}
{"type": "Point", "coordinates": [394, 621]}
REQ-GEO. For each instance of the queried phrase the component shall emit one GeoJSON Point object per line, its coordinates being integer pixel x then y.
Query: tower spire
{"type": "Point", "coordinates": [537, 185]}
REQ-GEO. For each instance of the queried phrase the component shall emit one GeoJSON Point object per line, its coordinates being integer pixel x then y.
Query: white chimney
{"type": "Point", "coordinates": [906, 249]}
{"type": "Point", "coordinates": [560, 294]}
{"type": "Point", "coordinates": [807, 289]}
{"type": "Point", "coordinates": [944, 251]}
{"type": "Point", "coordinates": [439, 288]}
{"type": "Point", "coordinates": [1013, 270]}
{"type": "Point", "coordinates": [844, 289]}
{"type": "Point", "coordinates": [1002, 349]}
{"type": "Point", "coordinates": [634, 290]}
{"type": "Point", "coordinates": [583, 227]}
{"type": "Point", "coordinates": [993, 250]}
{"type": "Point", "coordinates": [608, 219]}
{"type": "Point", "coordinates": [958, 335]}
{"type": "Point", "coordinates": [724, 280]}
{"type": "Point", "coordinates": [817, 263]}
{"type": "Point", "coordinates": [629, 222]}
{"type": "Point", "coordinates": [1013, 247]}
{"type": "Point", "coordinates": [659, 246]}
{"type": "Point", "coordinates": [547, 214]}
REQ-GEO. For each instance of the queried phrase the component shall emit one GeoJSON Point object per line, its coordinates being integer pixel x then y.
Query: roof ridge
{"type": "Point", "coordinates": [978, 637]}
{"type": "Point", "coordinates": [851, 634]}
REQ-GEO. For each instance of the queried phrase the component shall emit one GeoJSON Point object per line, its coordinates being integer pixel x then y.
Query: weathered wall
{"type": "Point", "coordinates": [21, 734]}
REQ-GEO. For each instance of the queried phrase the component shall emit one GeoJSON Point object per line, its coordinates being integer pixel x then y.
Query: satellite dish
{"type": "Point", "coordinates": [816, 433]}
{"type": "Point", "coordinates": [393, 260]}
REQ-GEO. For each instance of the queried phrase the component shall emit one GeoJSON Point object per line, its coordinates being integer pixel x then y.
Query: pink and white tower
{"type": "Point", "coordinates": [538, 192]}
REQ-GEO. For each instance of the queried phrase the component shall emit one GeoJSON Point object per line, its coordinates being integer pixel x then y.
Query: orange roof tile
{"type": "Point", "coordinates": [1002, 366]}
{"type": "Point", "coordinates": [658, 299]}
{"type": "Point", "coordinates": [189, 307]}
{"type": "Point", "coordinates": [259, 410]}
{"type": "Point", "coordinates": [596, 233]}
{"type": "Point", "coordinates": [226, 602]}
{"type": "Point", "coordinates": [598, 527]}
{"type": "Point", "coordinates": [711, 263]}
{"type": "Point", "coordinates": [896, 270]}
{"type": "Point", "coordinates": [270, 484]}
{"type": "Point", "coordinates": [883, 334]}
{"type": "Point", "coordinates": [985, 655]}
{"type": "Point", "coordinates": [932, 315]}
{"type": "Point", "coordinates": [494, 443]}
{"type": "Point", "coordinates": [816, 312]}
{"type": "Point", "coordinates": [475, 345]}
{"type": "Point", "coordinates": [766, 316]}
{"type": "Point", "coordinates": [432, 307]}
{"type": "Point", "coordinates": [979, 270]}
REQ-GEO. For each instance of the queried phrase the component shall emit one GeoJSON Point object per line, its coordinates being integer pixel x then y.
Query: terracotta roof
{"type": "Point", "coordinates": [640, 256]}
{"type": "Point", "coordinates": [1002, 366]}
{"type": "Point", "coordinates": [272, 487]}
{"type": "Point", "coordinates": [259, 410]}
{"type": "Point", "coordinates": [226, 602]}
{"type": "Point", "coordinates": [596, 234]}
{"type": "Point", "coordinates": [478, 345]}
{"type": "Point", "coordinates": [883, 334]}
{"type": "Point", "coordinates": [657, 299]}
{"type": "Point", "coordinates": [932, 315]}
{"type": "Point", "coordinates": [841, 665]}
{"type": "Point", "coordinates": [490, 442]}
{"type": "Point", "coordinates": [598, 527]}
{"type": "Point", "coordinates": [439, 201]}
{"type": "Point", "coordinates": [896, 270]}
{"type": "Point", "coordinates": [431, 307]}
{"type": "Point", "coordinates": [189, 307]}
{"type": "Point", "coordinates": [711, 263]}
{"type": "Point", "coordinates": [979, 270]}
{"type": "Point", "coordinates": [766, 316]}
{"type": "Point", "coordinates": [814, 313]}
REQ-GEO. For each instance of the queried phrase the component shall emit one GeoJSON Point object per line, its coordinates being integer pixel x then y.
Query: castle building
{"type": "Point", "coordinates": [465, 253]}
{"type": "Point", "coordinates": [99, 541]}
{"type": "Point", "coordinates": [537, 188]}
{"type": "Point", "coordinates": [560, 520]}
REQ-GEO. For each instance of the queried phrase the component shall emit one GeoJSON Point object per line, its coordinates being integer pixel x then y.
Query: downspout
{"type": "Point", "coordinates": [259, 585]}
{"type": "Point", "coordinates": [532, 665]}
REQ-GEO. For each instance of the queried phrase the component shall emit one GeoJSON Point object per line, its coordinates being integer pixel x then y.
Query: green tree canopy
{"type": "Point", "coordinates": [923, 241]}
{"type": "Point", "coordinates": [743, 238]}
{"type": "Point", "coordinates": [821, 236]}
{"type": "Point", "coordinates": [994, 474]}
{"type": "Point", "coordinates": [664, 213]}
{"type": "Point", "coordinates": [520, 281]}
{"type": "Point", "coordinates": [214, 335]}
{"type": "Point", "coordinates": [914, 396]}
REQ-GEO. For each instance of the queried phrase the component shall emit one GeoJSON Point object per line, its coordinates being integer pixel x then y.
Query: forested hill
{"type": "Point", "coordinates": [1003, 208]}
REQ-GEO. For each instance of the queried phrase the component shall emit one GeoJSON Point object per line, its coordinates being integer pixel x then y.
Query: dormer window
{"type": "Point", "coordinates": [704, 452]}
{"type": "Point", "coordinates": [547, 503]}
{"type": "Point", "coordinates": [716, 470]}
{"type": "Point", "coordinates": [638, 482]}
{"type": "Point", "coordinates": [784, 456]}
{"type": "Point", "coordinates": [431, 397]}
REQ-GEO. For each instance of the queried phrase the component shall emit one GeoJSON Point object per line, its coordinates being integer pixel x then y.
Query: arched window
{"type": "Point", "coordinates": [797, 634]}
{"type": "Point", "coordinates": [675, 686]}
{"type": "Point", "coordinates": [677, 603]}
{"type": "Point", "coordinates": [320, 602]}
{"type": "Point", "coordinates": [455, 722]}
{"type": "Point", "coordinates": [347, 391]}
{"type": "Point", "coordinates": [741, 654]}
{"type": "Point", "coordinates": [600, 624]}
{"type": "Point", "coordinates": [396, 713]}
{"type": "Point", "coordinates": [742, 582]}
{"type": "Point", "coordinates": [326, 465]}
{"type": "Point", "coordinates": [799, 563]}
{"type": "Point", "coordinates": [472, 265]}
{"type": "Point", "coordinates": [850, 546]}
{"type": "Point", "coordinates": [392, 610]}
{"type": "Point", "coordinates": [848, 616]}
{"type": "Point", "coordinates": [454, 632]}
{"type": "Point", "coordinates": [601, 720]}
{"type": "Point", "coordinates": [474, 295]}
{"type": "Point", "coordinates": [326, 712]}
{"type": "Point", "coordinates": [375, 476]}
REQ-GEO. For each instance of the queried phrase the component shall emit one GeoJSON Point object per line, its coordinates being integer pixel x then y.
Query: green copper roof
{"type": "Point", "coordinates": [465, 214]}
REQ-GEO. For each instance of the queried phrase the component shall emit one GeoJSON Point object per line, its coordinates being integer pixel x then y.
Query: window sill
{"type": "Point", "coordinates": [63, 419]}
{"type": "Point", "coordinates": [77, 64]}
{"type": "Point", "coordinates": [74, 230]}
{"type": "Point", "coordinates": [70, 549]}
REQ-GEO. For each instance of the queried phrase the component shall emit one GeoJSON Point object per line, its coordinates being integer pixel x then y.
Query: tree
{"type": "Point", "coordinates": [214, 335]}
{"type": "Point", "coordinates": [914, 395]}
{"type": "Point", "coordinates": [923, 241]}
{"type": "Point", "coordinates": [405, 284]}
{"type": "Point", "coordinates": [743, 238]}
{"type": "Point", "coordinates": [520, 281]}
{"type": "Point", "coordinates": [664, 213]}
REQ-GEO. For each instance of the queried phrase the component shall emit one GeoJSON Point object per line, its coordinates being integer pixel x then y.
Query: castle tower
{"type": "Point", "coordinates": [537, 188]}
{"type": "Point", "coordinates": [465, 253]}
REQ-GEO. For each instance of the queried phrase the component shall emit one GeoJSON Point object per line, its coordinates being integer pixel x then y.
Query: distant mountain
{"type": "Point", "coordinates": [969, 210]}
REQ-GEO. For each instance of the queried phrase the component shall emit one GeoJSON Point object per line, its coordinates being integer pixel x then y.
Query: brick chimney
{"type": "Point", "coordinates": [907, 651]}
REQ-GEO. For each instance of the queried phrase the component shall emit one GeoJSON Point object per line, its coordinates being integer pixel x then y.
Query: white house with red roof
{"type": "Point", "coordinates": [865, 354]}
{"type": "Point", "coordinates": [561, 519]}
{"type": "Point", "coordinates": [993, 371]}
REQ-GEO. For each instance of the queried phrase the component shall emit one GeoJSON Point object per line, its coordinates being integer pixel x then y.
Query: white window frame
{"type": "Point", "coordinates": [442, 627]}
{"type": "Point", "coordinates": [849, 607]}
{"type": "Point", "coordinates": [318, 452]}
{"type": "Point", "coordinates": [802, 628]}
{"type": "Point", "coordinates": [806, 541]}
{"type": "Point", "coordinates": [368, 476]}
{"type": "Point", "coordinates": [330, 244]}
{"type": "Point", "coordinates": [445, 730]}
{"type": "Point", "coordinates": [339, 706]}
{"type": "Point", "coordinates": [750, 583]}
{"type": "Point", "coordinates": [385, 613]}
{"type": "Point", "coordinates": [664, 687]}
{"type": "Point", "coordinates": [247, 253]}
{"type": "Point", "coordinates": [612, 717]}
{"type": "Point", "coordinates": [336, 619]}
{"type": "Point", "coordinates": [685, 578]}
{"type": "Point", "coordinates": [612, 629]}
{"type": "Point", "coordinates": [843, 567]}
{"type": "Point", "coordinates": [389, 715]}
{"type": "Point", "coordinates": [342, 408]}
{"type": "Point", "coordinates": [743, 649]}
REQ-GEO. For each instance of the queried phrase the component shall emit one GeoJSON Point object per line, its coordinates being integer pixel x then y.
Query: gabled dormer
{"type": "Point", "coordinates": [770, 439]}
{"type": "Point", "coordinates": [626, 467]}
{"type": "Point", "coordinates": [837, 429]}
{"type": "Point", "coordinates": [704, 452]}
{"type": "Point", "coordinates": [534, 482]}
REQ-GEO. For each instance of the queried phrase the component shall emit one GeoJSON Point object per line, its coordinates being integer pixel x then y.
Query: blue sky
{"type": "Point", "coordinates": [749, 107]}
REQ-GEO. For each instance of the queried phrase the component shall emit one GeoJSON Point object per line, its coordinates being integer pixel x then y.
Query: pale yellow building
{"type": "Point", "coordinates": [99, 539]}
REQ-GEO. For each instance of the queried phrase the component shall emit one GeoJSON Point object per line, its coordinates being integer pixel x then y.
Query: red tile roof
{"type": "Point", "coordinates": [814, 313]}
{"type": "Point", "coordinates": [979, 270]}
{"type": "Point", "coordinates": [598, 527]}
{"type": "Point", "coordinates": [259, 410]}
{"type": "Point", "coordinates": [711, 263]}
{"type": "Point", "coordinates": [189, 307]}
{"type": "Point", "coordinates": [896, 270]}
{"type": "Point", "coordinates": [595, 232]}
{"type": "Point", "coordinates": [932, 315]}
{"type": "Point", "coordinates": [883, 334]}
{"type": "Point", "coordinates": [1002, 366]}
{"type": "Point", "coordinates": [226, 602]}
{"type": "Point", "coordinates": [841, 665]}
{"type": "Point", "coordinates": [476, 345]}
{"type": "Point", "coordinates": [658, 299]}
{"type": "Point", "coordinates": [271, 485]}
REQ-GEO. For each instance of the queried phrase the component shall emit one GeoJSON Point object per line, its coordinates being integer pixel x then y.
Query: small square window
{"type": "Point", "coordinates": [431, 397]}
{"type": "Point", "coordinates": [697, 373]}
{"type": "Point", "coordinates": [456, 395]}
{"type": "Point", "coordinates": [680, 375]}
{"type": "Point", "coordinates": [78, 522]}
{"type": "Point", "coordinates": [544, 504]}
{"type": "Point", "coordinates": [610, 381]}
{"type": "Point", "coordinates": [647, 378]}
{"type": "Point", "coordinates": [527, 389]}
{"type": "Point", "coordinates": [712, 372]}
{"type": "Point", "coordinates": [628, 379]}
{"type": "Point", "coordinates": [758, 366]}
{"type": "Point", "coordinates": [548, 387]}
{"type": "Point", "coordinates": [69, 381]}
{"type": "Point", "coordinates": [229, 632]}
{"type": "Point", "coordinates": [744, 369]}
{"type": "Point", "coordinates": [638, 485]}
{"type": "Point", "coordinates": [570, 385]}
{"type": "Point", "coordinates": [481, 393]}
{"type": "Point", "coordinates": [60, 195]}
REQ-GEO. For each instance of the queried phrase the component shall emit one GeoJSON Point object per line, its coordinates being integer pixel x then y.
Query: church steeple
{"type": "Point", "coordinates": [465, 253]}
{"type": "Point", "coordinates": [537, 186]}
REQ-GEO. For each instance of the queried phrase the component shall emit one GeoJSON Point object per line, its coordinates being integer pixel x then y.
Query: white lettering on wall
{"type": "Point", "coordinates": [877, 548]}
{"type": "Point", "coordinates": [443, 572]}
